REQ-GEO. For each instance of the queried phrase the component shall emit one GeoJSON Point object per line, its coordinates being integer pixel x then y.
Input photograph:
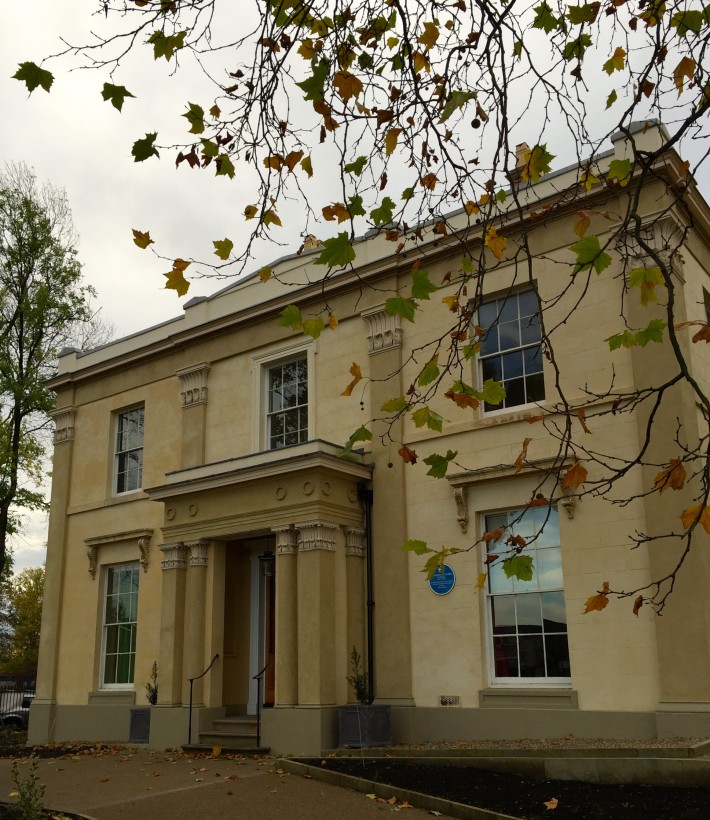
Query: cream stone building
{"type": "Point", "coordinates": [201, 512]}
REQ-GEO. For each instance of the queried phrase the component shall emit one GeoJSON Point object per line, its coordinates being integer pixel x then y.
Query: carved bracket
{"type": "Point", "coordinates": [193, 381]}
{"type": "Point", "coordinates": [355, 542]}
{"type": "Point", "coordinates": [385, 330]}
{"type": "Point", "coordinates": [139, 537]}
{"type": "Point", "coordinates": [63, 424]}
{"type": "Point", "coordinates": [461, 499]}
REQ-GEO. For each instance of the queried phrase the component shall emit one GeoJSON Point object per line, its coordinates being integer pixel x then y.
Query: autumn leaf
{"type": "Point", "coordinates": [638, 603]}
{"type": "Point", "coordinates": [581, 226]}
{"type": "Point", "coordinates": [552, 803]}
{"type": "Point", "coordinates": [581, 416]}
{"type": "Point", "coordinates": [332, 321]}
{"type": "Point", "coordinates": [429, 36]}
{"type": "Point", "coordinates": [685, 68]}
{"type": "Point", "coordinates": [522, 456]}
{"type": "Point", "coordinates": [589, 255]}
{"type": "Point", "coordinates": [116, 94]}
{"type": "Point", "coordinates": [493, 535]}
{"type": "Point", "coordinates": [703, 335]}
{"type": "Point", "coordinates": [416, 546]}
{"type": "Point", "coordinates": [391, 138]}
{"type": "Point", "coordinates": [407, 455]}
{"type": "Point", "coordinates": [587, 179]}
{"type": "Point", "coordinates": [307, 166]}
{"type": "Point", "coordinates": [223, 247]}
{"type": "Point", "coordinates": [595, 603]}
{"type": "Point", "coordinates": [176, 279]}
{"type": "Point", "coordinates": [195, 115]}
{"type": "Point", "coordinates": [347, 85]}
{"type": "Point", "coordinates": [429, 181]}
{"type": "Point", "coordinates": [497, 244]}
{"type": "Point", "coordinates": [620, 170]}
{"type": "Point", "coordinates": [271, 218]}
{"type": "Point", "coordinates": [537, 162]}
{"type": "Point", "coordinates": [292, 159]}
{"type": "Point", "coordinates": [575, 476]}
{"type": "Point", "coordinates": [692, 513]}
{"type": "Point", "coordinates": [216, 751]}
{"type": "Point", "coordinates": [519, 566]}
{"type": "Point", "coordinates": [33, 76]}
{"type": "Point", "coordinates": [142, 239]}
{"type": "Point", "coordinates": [265, 273]}
{"type": "Point", "coordinates": [426, 417]}
{"type": "Point", "coordinates": [356, 373]}
{"type": "Point", "coordinates": [336, 211]}
{"type": "Point", "coordinates": [361, 434]}
{"type": "Point", "coordinates": [273, 161]}
{"type": "Point", "coordinates": [250, 212]}
{"type": "Point", "coordinates": [616, 62]}
{"type": "Point", "coordinates": [481, 580]}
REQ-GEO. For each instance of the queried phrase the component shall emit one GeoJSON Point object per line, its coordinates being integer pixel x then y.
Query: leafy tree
{"type": "Point", "coordinates": [414, 112]}
{"type": "Point", "coordinates": [21, 613]}
{"type": "Point", "coordinates": [42, 301]}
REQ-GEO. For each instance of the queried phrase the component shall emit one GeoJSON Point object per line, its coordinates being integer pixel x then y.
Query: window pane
{"type": "Point", "coordinates": [124, 638]}
{"type": "Point", "coordinates": [509, 309]}
{"type": "Point", "coordinates": [557, 652]}
{"type": "Point", "coordinates": [488, 314]}
{"type": "Point", "coordinates": [110, 669]}
{"type": "Point", "coordinates": [532, 656]}
{"type": "Point", "coordinates": [497, 579]}
{"type": "Point", "coordinates": [512, 365]}
{"type": "Point", "coordinates": [549, 568]}
{"type": "Point", "coordinates": [503, 614]}
{"type": "Point", "coordinates": [505, 657]}
{"type": "Point", "coordinates": [535, 387]}
{"type": "Point", "coordinates": [530, 330]}
{"type": "Point", "coordinates": [492, 368]}
{"type": "Point", "coordinates": [528, 303]}
{"type": "Point", "coordinates": [553, 612]}
{"type": "Point", "coordinates": [509, 334]}
{"type": "Point", "coordinates": [514, 392]}
{"type": "Point", "coordinates": [529, 613]}
{"type": "Point", "coordinates": [533, 359]}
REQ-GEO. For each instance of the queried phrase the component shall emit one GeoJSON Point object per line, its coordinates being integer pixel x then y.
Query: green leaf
{"type": "Point", "coordinates": [429, 373]}
{"type": "Point", "coordinates": [314, 86]}
{"type": "Point", "coordinates": [416, 546]}
{"type": "Point", "coordinates": [395, 405]}
{"type": "Point", "coordinates": [142, 149]}
{"type": "Point", "coordinates": [165, 45]}
{"type": "Point", "coordinates": [116, 94]}
{"type": "Point", "coordinates": [399, 306]}
{"type": "Point", "coordinates": [455, 102]}
{"type": "Point", "coordinates": [209, 148]}
{"type": "Point", "coordinates": [407, 194]}
{"type": "Point", "coordinates": [355, 206]}
{"type": "Point", "coordinates": [574, 49]}
{"type": "Point", "coordinates": [687, 21]}
{"type": "Point", "coordinates": [361, 434]}
{"type": "Point", "coordinates": [438, 465]}
{"type": "Point", "coordinates": [582, 14]}
{"type": "Point", "coordinates": [225, 168]}
{"type": "Point", "coordinates": [313, 327]}
{"type": "Point", "coordinates": [195, 115]}
{"type": "Point", "coordinates": [590, 255]}
{"type": "Point", "coordinates": [647, 280]}
{"type": "Point", "coordinates": [519, 566]}
{"type": "Point", "coordinates": [357, 166]}
{"type": "Point", "coordinates": [620, 170]}
{"type": "Point", "coordinates": [518, 48]}
{"type": "Point", "coordinates": [291, 317]}
{"type": "Point", "coordinates": [223, 247]}
{"type": "Point", "coordinates": [611, 99]}
{"type": "Point", "coordinates": [493, 392]}
{"type": "Point", "coordinates": [625, 339]}
{"type": "Point", "coordinates": [421, 284]}
{"type": "Point", "coordinates": [652, 333]}
{"type": "Point", "coordinates": [383, 214]}
{"type": "Point", "coordinates": [545, 19]}
{"type": "Point", "coordinates": [32, 76]}
{"type": "Point", "coordinates": [337, 252]}
{"type": "Point", "coordinates": [426, 417]}
{"type": "Point", "coordinates": [470, 350]}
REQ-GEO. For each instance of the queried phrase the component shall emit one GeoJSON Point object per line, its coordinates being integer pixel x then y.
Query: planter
{"type": "Point", "coordinates": [363, 727]}
{"type": "Point", "coordinates": [139, 731]}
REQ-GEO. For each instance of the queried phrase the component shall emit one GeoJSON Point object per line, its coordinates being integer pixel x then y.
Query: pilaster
{"type": "Point", "coordinates": [193, 397]}
{"type": "Point", "coordinates": [286, 616]}
{"type": "Point", "coordinates": [172, 623]}
{"type": "Point", "coordinates": [355, 540]}
{"type": "Point", "coordinates": [194, 634]}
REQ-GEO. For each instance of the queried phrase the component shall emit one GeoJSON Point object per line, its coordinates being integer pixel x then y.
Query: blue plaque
{"type": "Point", "coordinates": [443, 581]}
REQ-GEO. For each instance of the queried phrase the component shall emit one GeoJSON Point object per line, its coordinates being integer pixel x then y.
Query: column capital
{"type": "Point", "coordinates": [316, 535]}
{"type": "Point", "coordinates": [63, 419]}
{"type": "Point", "coordinates": [286, 540]}
{"type": "Point", "coordinates": [193, 381]}
{"type": "Point", "coordinates": [385, 330]}
{"type": "Point", "coordinates": [355, 542]}
{"type": "Point", "coordinates": [196, 552]}
{"type": "Point", "coordinates": [174, 556]}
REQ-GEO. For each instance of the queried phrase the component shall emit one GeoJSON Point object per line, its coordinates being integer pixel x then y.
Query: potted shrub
{"type": "Point", "coordinates": [363, 725]}
{"type": "Point", "coordinates": [139, 731]}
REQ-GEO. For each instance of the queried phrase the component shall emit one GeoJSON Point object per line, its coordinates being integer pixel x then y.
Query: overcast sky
{"type": "Point", "coordinates": [80, 143]}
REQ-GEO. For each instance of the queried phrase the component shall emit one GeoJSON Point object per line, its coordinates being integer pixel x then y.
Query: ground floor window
{"type": "Point", "coordinates": [120, 621]}
{"type": "Point", "coordinates": [527, 619]}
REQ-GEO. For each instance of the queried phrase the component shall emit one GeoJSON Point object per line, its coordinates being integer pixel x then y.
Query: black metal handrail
{"type": "Point", "coordinates": [258, 678]}
{"type": "Point", "coordinates": [192, 680]}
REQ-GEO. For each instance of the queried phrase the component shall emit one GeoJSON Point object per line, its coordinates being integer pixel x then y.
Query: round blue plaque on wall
{"type": "Point", "coordinates": [443, 581]}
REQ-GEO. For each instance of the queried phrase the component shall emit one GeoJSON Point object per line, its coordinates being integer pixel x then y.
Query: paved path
{"type": "Point", "coordinates": [137, 784]}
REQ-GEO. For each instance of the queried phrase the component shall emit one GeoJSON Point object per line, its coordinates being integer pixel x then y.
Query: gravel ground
{"type": "Point", "coordinates": [568, 742]}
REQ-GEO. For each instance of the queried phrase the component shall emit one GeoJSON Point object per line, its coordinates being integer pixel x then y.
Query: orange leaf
{"type": "Point", "coordinates": [580, 227]}
{"type": "Point", "coordinates": [408, 456]}
{"type": "Point", "coordinates": [597, 602]}
{"type": "Point", "coordinates": [497, 244]}
{"type": "Point", "coordinates": [551, 803]}
{"type": "Point", "coordinates": [336, 211]}
{"type": "Point", "coordinates": [356, 373]}
{"type": "Point", "coordinates": [216, 751]}
{"type": "Point", "coordinates": [274, 161]}
{"type": "Point", "coordinates": [638, 603]}
{"type": "Point", "coordinates": [516, 541]}
{"type": "Point", "coordinates": [493, 535]}
{"type": "Point", "coordinates": [429, 181]}
{"type": "Point", "coordinates": [581, 415]}
{"type": "Point", "coordinates": [471, 208]}
{"type": "Point", "coordinates": [672, 476]}
{"type": "Point", "coordinates": [538, 501]}
{"type": "Point", "coordinates": [685, 68]}
{"type": "Point", "coordinates": [523, 455]}
{"type": "Point", "coordinates": [703, 335]}
{"type": "Point", "coordinates": [575, 476]}
{"type": "Point", "coordinates": [452, 302]}
{"type": "Point", "coordinates": [688, 517]}
{"type": "Point", "coordinates": [534, 419]}
{"type": "Point", "coordinates": [463, 400]}
{"type": "Point", "coordinates": [332, 321]}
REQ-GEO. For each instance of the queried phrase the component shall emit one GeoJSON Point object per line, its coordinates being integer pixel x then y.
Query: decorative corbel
{"type": "Point", "coordinates": [461, 499]}
{"type": "Point", "coordinates": [568, 503]}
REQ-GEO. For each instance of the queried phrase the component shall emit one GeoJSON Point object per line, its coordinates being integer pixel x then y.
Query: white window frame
{"type": "Point", "coordinates": [117, 454]}
{"type": "Point", "coordinates": [519, 681]}
{"type": "Point", "coordinates": [134, 567]}
{"type": "Point", "coordinates": [481, 358]}
{"type": "Point", "coordinates": [262, 363]}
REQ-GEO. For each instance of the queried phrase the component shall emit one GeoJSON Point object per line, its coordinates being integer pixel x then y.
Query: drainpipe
{"type": "Point", "coordinates": [366, 497]}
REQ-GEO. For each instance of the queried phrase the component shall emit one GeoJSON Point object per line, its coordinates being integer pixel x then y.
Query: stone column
{"type": "Point", "coordinates": [390, 566]}
{"type": "Point", "coordinates": [172, 623]}
{"type": "Point", "coordinates": [214, 628]}
{"type": "Point", "coordinates": [193, 395]}
{"type": "Point", "coordinates": [355, 574]}
{"type": "Point", "coordinates": [42, 721]}
{"type": "Point", "coordinates": [286, 617]}
{"type": "Point", "coordinates": [316, 613]}
{"type": "Point", "coordinates": [194, 635]}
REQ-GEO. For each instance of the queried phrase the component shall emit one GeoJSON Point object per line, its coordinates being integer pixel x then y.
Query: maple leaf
{"type": "Point", "coordinates": [416, 546]}
{"type": "Point", "coordinates": [575, 476]}
{"type": "Point", "coordinates": [33, 76]}
{"type": "Point", "coordinates": [165, 45]}
{"type": "Point", "coordinates": [703, 335]}
{"type": "Point", "coordinates": [429, 181]}
{"type": "Point", "coordinates": [429, 36]}
{"type": "Point", "coordinates": [407, 455]}
{"type": "Point", "coordinates": [176, 281]}
{"type": "Point", "coordinates": [250, 211]}
{"type": "Point", "coordinates": [195, 115]}
{"type": "Point", "coordinates": [497, 244]}
{"type": "Point", "coordinates": [336, 211]}
{"type": "Point", "coordinates": [692, 513]}
{"type": "Point", "coordinates": [421, 284]}
{"type": "Point", "coordinates": [142, 239]}
{"type": "Point", "coordinates": [116, 94]}
{"type": "Point", "coordinates": [519, 566]}
{"type": "Point", "coordinates": [580, 227]}
{"type": "Point", "coordinates": [224, 166]}
{"type": "Point", "coordinates": [356, 373]}
{"type": "Point", "coordinates": [462, 400]}
{"type": "Point", "coordinates": [271, 218]}
{"type": "Point", "coordinates": [399, 306]}
{"type": "Point", "coordinates": [144, 148]}
{"type": "Point", "coordinates": [589, 255]}
{"type": "Point", "coordinates": [537, 162]}
{"type": "Point", "coordinates": [438, 465]}
{"type": "Point", "coordinates": [616, 62]}
{"type": "Point", "coordinates": [522, 456]}
{"type": "Point", "coordinates": [223, 247]}
{"type": "Point", "coordinates": [620, 170]}
{"type": "Point", "coordinates": [273, 161]}
{"type": "Point", "coordinates": [347, 85]}
{"type": "Point", "coordinates": [595, 603]}
{"type": "Point", "coordinates": [646, 279]}
{"type": "Point", "coordinates": [685, 68]}
{"type": "Point", "coordinates": [292, 159]}
{"type": "Point", "coordinates": [215, 111]}
{"type": "Point", "coordinates": [265, 273]}
{"type": "Point", "coordinates": [391, 138]}
{"type": "Point", "coordinates": [337, 252]}
{"type": "Point", "coordinates": [425, 416]}
{"type": "Point", "coordinates": [429, 372]}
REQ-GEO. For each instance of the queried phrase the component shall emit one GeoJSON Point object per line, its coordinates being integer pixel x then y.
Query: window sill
{"type": "Point", "coordinates": [122, 697]}
{"type": "Point", "coordinates": [533, 698]}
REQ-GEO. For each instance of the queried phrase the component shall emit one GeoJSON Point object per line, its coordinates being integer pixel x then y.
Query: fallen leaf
{"type": "Point", "coordinates": [551, 803]}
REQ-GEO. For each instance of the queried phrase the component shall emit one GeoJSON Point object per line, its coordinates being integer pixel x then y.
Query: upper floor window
{"type": "Point", "coordinates": [120, 621]}
{"type": "Point", "coordinates": [129, 450]}
{"type": "Point", "coordinates": [287, 412]}
{"type": "Point", "coordinates": [511, 350]}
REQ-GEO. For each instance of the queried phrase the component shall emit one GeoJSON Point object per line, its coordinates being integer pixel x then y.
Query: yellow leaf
{"type": "Point", "coordinates": [685, 68]}
{"type": "Point", "coordinates": [347, 85]}
{"type": "Point", "coordinates": [497, 244]}
{"type": "Point", "coordinates": [307, 166]}
{"type": "Point", "coordinates": [481, 580]}
{"type": "Point", "coordinates": [142, 239]}
{"type": "Point", "coordinates": [307, 49]}
{"type": "Point", "coordinates": [420, 63]}
{"type": "Point", "coordinates": [580, 227]}
{"type": "Point", "coordinates": [587, 179]}
{"type": "Point", "coordinates": [272, 218]}
{"type": "Point", "coordinates": [292, 159]}
{"type": "Point", "coordinates": [596, 603]}
{"type": "Point", "coordinates": [452, 302]}
{"type": "Point", "coordinates": [177, 282]}
{"type": "Point", "coordinates": [265, 273]}
{"type": "Point", "coordinates": [216, 751]}
{"type": "Point", "coordinates": [471, 208]}
{"type": "Point", "coordinates": [689, 515]}
{"type": "Point", "coordinates": [429, 36]}
{"type": "Point", "coordinates": [391, 138]}
{"type": "Point", "coordinates": [250, 211]}
{"type": "Point", "coordinates": [551, 803]}
{"type": "Point", "coordinates": [672, 476]}
{"type": "Point", "coordinates": [575, 476]}
{"type": "Point", "coordinates": [332, 321]}
{"type": "Point", "coordinates": [356, 373]}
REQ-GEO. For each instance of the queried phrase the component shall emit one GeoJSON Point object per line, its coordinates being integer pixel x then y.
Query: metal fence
{"type": "Point", "coordinates": [15, 699]}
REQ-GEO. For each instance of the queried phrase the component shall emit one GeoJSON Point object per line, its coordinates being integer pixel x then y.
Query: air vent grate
{"type": "Point", "coordinates": [450, 700]}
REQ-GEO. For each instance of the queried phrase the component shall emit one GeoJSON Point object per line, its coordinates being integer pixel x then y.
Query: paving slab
{"type": "Point", "coordinates": [131, 783]}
